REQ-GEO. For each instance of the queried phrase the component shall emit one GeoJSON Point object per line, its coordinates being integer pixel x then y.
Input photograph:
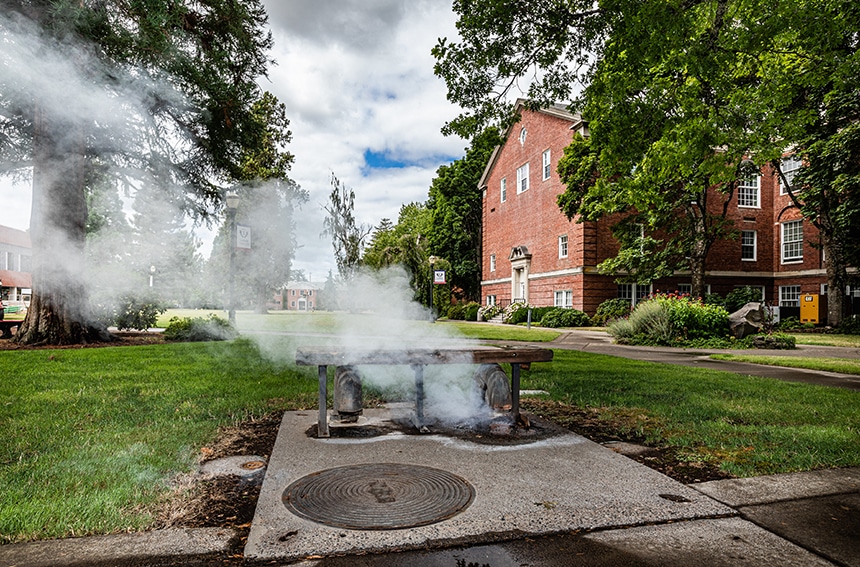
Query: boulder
{"type": "Point", "coordinates": [748, 320]}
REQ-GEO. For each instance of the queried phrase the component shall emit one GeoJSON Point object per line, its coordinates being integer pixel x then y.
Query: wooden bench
{"type": "Point", "coordinates": [417, 358]}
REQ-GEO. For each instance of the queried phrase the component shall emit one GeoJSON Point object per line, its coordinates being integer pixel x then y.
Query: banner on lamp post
{"type": "Point", "coordinates": [439, 277]}
{"type": "Point", "coordinates": [243, 237]}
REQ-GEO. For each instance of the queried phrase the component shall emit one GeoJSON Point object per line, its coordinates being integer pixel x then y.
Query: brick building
{"type": "Point", "coordinates": [532, 253]}
{"type": "Point", "coordinates": [15, 259]}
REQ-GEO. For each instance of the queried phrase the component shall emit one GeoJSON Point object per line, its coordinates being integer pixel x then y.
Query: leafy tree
{"type": "Point", "coordinates": [269, 199]}
{"type": "Point", "coordinates": [682, 92]}
{"type": "Point", "coordinates": [404, 244]}
{"type": "Point", "coordinates": [347, 237]}
{"type": "Point", "coordinates": [455, 206]}
{"type": "Point", "coordinates": [161, 90]}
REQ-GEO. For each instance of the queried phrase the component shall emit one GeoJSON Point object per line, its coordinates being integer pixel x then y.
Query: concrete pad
{"type": "Point", "coordinates": [774, 488]}
{"type": "Point", "coordinates": [120, 549]}
{"type": "Point", "coordinates": [828, 525]}
{"type": "Point", "coordinates": [555, 485]}
{"type": "Point", "coordinates": [723, 542]}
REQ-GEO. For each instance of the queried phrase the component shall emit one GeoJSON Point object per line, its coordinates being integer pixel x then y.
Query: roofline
{"type": "Point", "coordinates": [555, 110]}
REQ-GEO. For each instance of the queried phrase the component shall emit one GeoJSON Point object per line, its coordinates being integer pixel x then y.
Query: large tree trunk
{"type": "Point", "coordinates": [837, 278]}
{"type": "Point", "coordinates": [58, 312]}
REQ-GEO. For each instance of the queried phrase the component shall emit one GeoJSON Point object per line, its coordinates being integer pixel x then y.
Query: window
{"type": "Point", "coordinates": [523, 134]}
{"type": "Point", "coordinates": [634, 293]}
{"type": "Point", "coordinates": [748, 192]}
{"type": "Point", "coordinates": [790, 166]}
{"type": "Point", "coordinates": [293, 292]}
{"type": "Point", "coordinates": [792, 241]}
{"type": "Point", "coordinates": [504, 189]}
{"type": "Point", "coordinates": [491, 300]}
{"type": "Point", "coordinates": [546, 165]}
{"type": "Point", "coordinates": [789, 296]}
{"type": "Point", "coordinates": [310, 292]}
{"type": "Point", "coordinates": [10, 261]}
{"type": "Point", "coordinates": [562, 246]}
{"type": "Point", "coordinates": [564, 298]}
{"type": "Point", "coordinates": [688, 288]}
{"type": "Point", "coordinates": [523, 178]}
{"type": "Point", "coordinates": [748, 245]}
{"type": "Point", "coordinates": [492, 262]}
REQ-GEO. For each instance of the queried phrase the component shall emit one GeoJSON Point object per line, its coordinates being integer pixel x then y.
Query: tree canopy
{"type": "Point", "coordinates": [680, 97]}
{"type": "Point", "coordinates": [161, 91]}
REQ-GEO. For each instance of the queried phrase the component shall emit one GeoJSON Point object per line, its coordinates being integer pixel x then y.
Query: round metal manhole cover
{"type": "Point", "coordinates": [381, 496]}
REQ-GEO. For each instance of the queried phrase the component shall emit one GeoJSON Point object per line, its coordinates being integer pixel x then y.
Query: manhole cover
{"type": "Point", "coordinates": [382, 496]}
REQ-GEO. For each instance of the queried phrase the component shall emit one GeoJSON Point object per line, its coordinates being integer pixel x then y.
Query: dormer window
{"type": "Point", "coordinates": [523, 136]}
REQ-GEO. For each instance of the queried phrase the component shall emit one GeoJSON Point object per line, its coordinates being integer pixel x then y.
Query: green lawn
{"type": "Point", "coordinates": [827, 339]}
{"type": "Point", "coordinates": [93, 436]}
{"type": "Point", "coordinates": [841, 365]}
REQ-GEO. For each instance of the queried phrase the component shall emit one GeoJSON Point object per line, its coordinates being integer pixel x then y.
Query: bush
{"type": "Point", "coordinates": [192, 329]}
{"type": "Point", "coordinates": [488, 312]}
{"type": "Point", "coordinates": [740, 296]}
{"type": "Point", "coordinates": [611, 309]}
{"type": "Point", "coordinates": [520, 313]}
{"type": "Point", "coordinates": [457, 312]}
{"type": "Point", "coordinates": [775, 341]}
{"type": "Point", "coordinates": [849, 326]}
{"type": "Point", "coordinates": [671, 319]}
{"type": "Point", "coordinates": [130, 312]}
{"type": "Point", "coordinates": [563, 317]}
{"type": "Point", "coordinates": [470, 311]}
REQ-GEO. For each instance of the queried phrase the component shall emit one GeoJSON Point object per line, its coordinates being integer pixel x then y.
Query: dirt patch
{"type": "Point", "coordinates": [122, 338]}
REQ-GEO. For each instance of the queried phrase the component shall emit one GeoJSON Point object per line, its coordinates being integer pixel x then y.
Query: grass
{"type": "Point", "coordinates": [93, 437]}
{"type": "Point", "coordinates": [324, 322]}
{"type": "Point", "coordinates": [827, 339]}
{"type": "Point", "coordinates": [750, 425]}
{"type": "Point", "coordinates": [841, 365]}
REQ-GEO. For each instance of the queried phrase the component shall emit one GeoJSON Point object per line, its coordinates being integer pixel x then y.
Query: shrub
{"type": "Point", "coordinates": [740, 296]}
{"type": "Point", "coordinates": [563, 317]}
{"type": "Point", "coordinates": [520, 313]}
{"type": "Point", "coordinates": [191, 329]}
{"type": "Point", "coordinates": [671, 319]}
{"type": "Point", "coordinates": [775, 341]}
{"type": "Point", "coordinates": [611, 309]}
{"type": "Point", "coordinates": [130, 312]}
{"type": "Point", "coordinates": [649, 323]}
{"type": "Point", "coordinates": [470, 311]}
{"type": "Point", "coordinates": [488, 312]}
{"type": "Point", "coordinates": [457, 312]}
{"type": "Point", "coordinates": [849, 326]}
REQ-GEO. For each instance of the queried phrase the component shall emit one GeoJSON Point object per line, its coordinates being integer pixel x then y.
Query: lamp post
{"type": "Point", "coordinates": [232, 203]}
{"type": "Point", "coordinates": [432, 260]}
{"type": "Point", "coordinates": [151, 275]}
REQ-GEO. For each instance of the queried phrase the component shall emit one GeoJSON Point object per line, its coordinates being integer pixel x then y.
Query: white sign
{"type": "Point", "coordinates": [439, 277]}
{"type": "Point", "coordinates": [243, 237]}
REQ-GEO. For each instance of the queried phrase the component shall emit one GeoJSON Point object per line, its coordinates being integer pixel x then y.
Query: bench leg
{"type": "Point", "coordinates": [322, 422]}
{"type": "Point", "coordinates": [515, 391]}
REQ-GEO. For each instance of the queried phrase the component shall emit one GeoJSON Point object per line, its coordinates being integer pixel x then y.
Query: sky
{"type": "Point", "coordinates": [357, 80]}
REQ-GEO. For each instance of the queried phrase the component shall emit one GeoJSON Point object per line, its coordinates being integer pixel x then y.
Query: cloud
{"type": "Point", "coordinates": [357, 80]}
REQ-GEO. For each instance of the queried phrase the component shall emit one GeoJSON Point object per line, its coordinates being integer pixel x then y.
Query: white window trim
{"type": "Point", "coordinates": [563, 298]}
{"type": "Point", "coordinates": [492, 262]}
{"type": "Point", "coordinates": [756, 187]}
{"type": "Point", "coordinates": [782, 243]}
{"type": "Point", "coordinates": [523, 178]}
{"type": "Point", "coordinates": [789, 173]}
{"type": "Point", "coordinates": [754, 246]}
{"type": "Point", "coordinates": [547, 165]}
{"type": "Point", "coordinates": [563, 244]}
{"type": "Point", "coordinates": [503, 189]}
{"type": "Point", "coordinates": [783, 292]}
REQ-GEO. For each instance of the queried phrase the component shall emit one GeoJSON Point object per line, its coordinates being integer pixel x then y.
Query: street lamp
{"type": "Point", "coordinates": [232, 204]}
{"type": "Point", "coordinates": [432, 260]}
{"type": "Point", "coordinates": [151, 275]}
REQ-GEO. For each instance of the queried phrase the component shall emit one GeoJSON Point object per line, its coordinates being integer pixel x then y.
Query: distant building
{"type": "Point", "coordinates": [16, 281]}
{"type": "Point", "coordinates": [298, 296]}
